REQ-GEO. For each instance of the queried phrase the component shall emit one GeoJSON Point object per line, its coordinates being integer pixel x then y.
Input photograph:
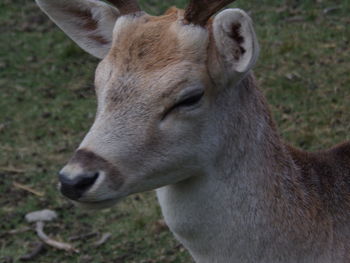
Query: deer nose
{"type": "Point", "coordinates": [73, 188]}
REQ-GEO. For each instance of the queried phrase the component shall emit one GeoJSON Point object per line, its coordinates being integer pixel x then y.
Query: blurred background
{"type": "Point", "coordinates": [47, 104]}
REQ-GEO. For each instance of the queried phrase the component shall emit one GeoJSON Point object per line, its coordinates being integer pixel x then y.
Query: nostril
{"type": "Point", "coordinates": [74, 187]}
{"type": "Point", "coordinates": [85, 181]}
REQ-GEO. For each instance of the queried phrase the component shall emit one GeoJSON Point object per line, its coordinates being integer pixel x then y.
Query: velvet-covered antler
{"type": "Point", "coordinates": [199, 11]}
{"type": "Point", "coordinates": [126, 6]}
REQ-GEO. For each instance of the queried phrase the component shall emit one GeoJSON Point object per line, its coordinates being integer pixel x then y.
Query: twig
{"type": "Point", "coordinates": [330, 9]}
{"type": "Point", "coordinates": [103, 239]}
{"type": "Point", "coordinates": [295, 19]}
{"type": "Point", "coordinates": [35, 252]}
{"type": "Point", "coordinates": [83, 236]}
{"type": "Point", "coordinates": [18, 231]}
{"type": "Point", "coordinates": [15, 231]}
{"type": "Point", "coordinates": [51, 242]}
{"type": "Point", "coordinates": [12, 170]}
{"type": "Point", "coordinates": [28, 189]}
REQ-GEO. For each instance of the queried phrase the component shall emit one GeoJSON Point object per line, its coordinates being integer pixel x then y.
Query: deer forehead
{"type": "Point", "coordinates": [147, 42]}
{"type": "Point", "coordinates": [151, 57]}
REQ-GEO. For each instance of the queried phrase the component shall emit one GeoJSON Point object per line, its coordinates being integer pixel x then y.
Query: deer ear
{"type": "Point", "coordinates": [235, 45]}
{"type": "Point", "coordinates": [89, 23]}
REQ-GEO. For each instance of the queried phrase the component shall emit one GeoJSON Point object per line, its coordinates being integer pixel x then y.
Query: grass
{"type": "Point", "coordinates": [47, 105]}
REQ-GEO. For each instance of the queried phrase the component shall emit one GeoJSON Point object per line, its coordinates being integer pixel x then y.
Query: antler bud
{"type": "Point", "coordinates": [126, 6]}
{"type": "Point", "coordinates": [199, 11]}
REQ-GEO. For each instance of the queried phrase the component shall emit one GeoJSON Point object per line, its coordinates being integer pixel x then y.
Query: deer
{"type": "Point", "coordinates": [180, 111]}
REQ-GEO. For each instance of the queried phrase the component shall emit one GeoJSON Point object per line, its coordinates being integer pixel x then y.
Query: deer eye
{"type": "Point", "coordinates": [190, 100]}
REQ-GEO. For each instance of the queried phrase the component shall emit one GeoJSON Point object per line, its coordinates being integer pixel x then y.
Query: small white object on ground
{"type": "Point", "coordinates": [41, 215]}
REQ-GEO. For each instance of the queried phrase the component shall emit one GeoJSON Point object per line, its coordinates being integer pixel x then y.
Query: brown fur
{"type": "Point", "coordinates": [313, 207]}
{"type": "Point", "coordinates": [326, 174]}
{"type": "Point", "coordinates": [151, 46]}
{"type": "Point", "coordinates": [308, 193]}
{"type": "Point", "coordinates": [144, 51]}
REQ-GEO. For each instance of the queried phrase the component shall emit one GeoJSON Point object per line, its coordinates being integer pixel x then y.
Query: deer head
{"type": "Point", "coordinates": [156, 87]}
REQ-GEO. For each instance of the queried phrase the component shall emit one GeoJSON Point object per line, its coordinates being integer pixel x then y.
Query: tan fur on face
{"type": "Point", "coordinates": [148, 43]}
